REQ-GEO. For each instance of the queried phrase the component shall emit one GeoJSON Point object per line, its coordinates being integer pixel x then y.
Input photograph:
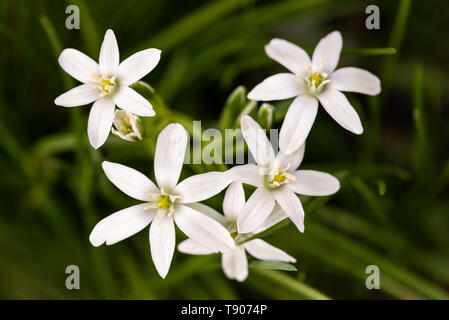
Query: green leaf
{"type": "Point", "coordinates": [273, 278]}
{"type": "Point", "coordinates": [369, 51]}
{"type": "Point", "coordinates": [275, 265]}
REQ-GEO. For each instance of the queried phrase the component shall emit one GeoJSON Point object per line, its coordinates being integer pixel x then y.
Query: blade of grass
{"type": "Point", "coordinates": [279, 279]}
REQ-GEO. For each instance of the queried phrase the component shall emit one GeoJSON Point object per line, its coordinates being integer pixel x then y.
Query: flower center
{"type": "Point", "coordinates": [278, 177]}
{"type": "Point", "coordinates": [163, 202]}
{"type": "Point", "coordinates": [105, 84]}
{"type": "Point", "coordinates": [317, 78]}
{"type": "Point", "coordinates": [126, 126]}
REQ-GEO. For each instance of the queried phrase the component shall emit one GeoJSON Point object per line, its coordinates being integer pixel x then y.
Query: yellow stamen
{"type": "Point", "coordinates": [316, 79]}
{"type": "Point", "coordinates": [281, 176]}
{"type": "Point", "coordinates": [163, 202]}
{"type": "Point", "coordinates": [104, 84]}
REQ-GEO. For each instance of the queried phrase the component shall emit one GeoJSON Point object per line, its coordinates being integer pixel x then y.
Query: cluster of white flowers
{"type": "Point", "coordinates": [275, 176]}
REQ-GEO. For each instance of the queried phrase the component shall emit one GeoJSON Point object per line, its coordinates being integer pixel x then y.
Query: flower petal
{"type": "Point", "coordinates": [327, 53]}
{"type": "Point", "coordinates": [191, 247]}
{"type": "Point", "coordinates": [278, 87]}
{"type": "Point", "coordinates": [293, 160]}
{"type": "Point", "coordinates": [256, 210]}
{"type": "Point", "coordinates": [78, 96]}
{"type": "Point", "coordinates": [169, 156]}
{"type": "Point", "coordinates": [275, 216]}
{"type": "Point", "coordinates": [291, 205]}
{"type": "Point", "coordinates": [109, 54]}
{"type": "Point", "coordinates": [339, 108]}
{"type": "Point", "coordinates": [137, 66]}
{"type": "Point", "coordinates": [297, 123]}
{"type": "Point", "coordinates": [234, 200]}
{"type": "Point", "coordinates": [202, 229]}
{"type": "Point", "coordinates": [78, 65]}
{"type": "Point", "coordinates": [100, 121]}
{"type": "Point", "coordinates": [130, 181]}
{"type": "Point", "coordinates": [314, 183]}
{"type": "Point", "coordinates": [129, 100]}
{"type": "Point", "coordinates": [202, 186]}
{"type": "Point", "coordinates": [288, 54]}
{"type": "Point", "coordinates": [257, 141]}
{"type": "Point", "coordinates": [235, 264]}
{"type": "Point", "coordinates": [261, 250]}
{"type": "Point", "coordinates": [162, 242]}
{"type": "Point", "coordinates": [355, 80]}
{"type": "Point", "coordinates": [247, 173]}
{"type": "Point", "coordinates": [208, 211]}
{"type": "Point", "coordinates": [121, 225]}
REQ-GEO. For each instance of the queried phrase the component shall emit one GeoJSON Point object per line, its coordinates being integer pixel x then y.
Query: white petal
{"type": "Point", "coordinates": [278, 87]}
{"type": "Point", "coordinates": [109, 54]}
{"type": "Point", "coordinates": [263, 251]}
{"type": "Point", "coordinates": [339, 108]}
{"type": "Point", "coordinates": [137, 66]}
{"type": "Point", "coordinates": [257, 141]}
{"type": "Point", "coordinates": [78, 65]}
{"type": "Point", "coordinates": [162, 242]}
{"type": "Point", "coordinates": [130, 181]}
{"type": "Point", "coordinates": [297, 123]}
{"type": "Point", "coordinates": [100, 121]}
{"type": "Point", "coordinates": [234, 200]}
{"type": "Point", "coordinates": [355, 80]}
{"type": "Point", "coordinates": [314, 183]}
{"type": "Point", "coordinates": [291, 205]}
{"type": "Point", "coordinates": [255, 211]}
{"type": "Point", "coordinates": [327, 52]}
{"type": "Point", "coordinates": [293, 160]}
{"type": "Point", "coordinates": [204, 230]}
{"type": "Point", "coordinates": [202, 186]}
{"type": "Point", "coordinates": [247, 173]}
{"type": "Point", "coordinates": [191, 247]}
{"type": "Point", "coordinates": [129, 100]}
{"type": "Point", "coordinates": [121, 225]}
{"type": "Point", "coordinates": [169, 156]}
{"type": "Point", "coordinates": [208, 211]}
{"type": "Point", "coordinates": [288, 54]}
{"type": "Point", "coordinates": [275, 216]}
{"type": "Point", "coordinates": [78, 96]}
{"type": "Point", "coordinates": [235, 264]}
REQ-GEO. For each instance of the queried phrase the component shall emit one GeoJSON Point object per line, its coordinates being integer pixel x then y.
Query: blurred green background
{"type": "Point", "coordinates": [392, 210]}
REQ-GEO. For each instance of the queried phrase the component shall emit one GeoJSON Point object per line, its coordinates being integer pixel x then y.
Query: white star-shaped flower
{"type": "Point", "coordinates": [164, 205]}
{"type": "Point", "coordinates": [276, 179]}
{"type": "Point", "coordinates": [107, 85]}
{"type": "Point", "coordinates": [234, 262]}
{"type": "Point", "coordinates": [312, 81]}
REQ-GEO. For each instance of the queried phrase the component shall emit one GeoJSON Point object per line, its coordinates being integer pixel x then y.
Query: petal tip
{"type": "Point", "coordinates": [94, 240]}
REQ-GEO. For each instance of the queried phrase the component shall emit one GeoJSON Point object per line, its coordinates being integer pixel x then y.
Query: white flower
{"type": "Point", "coordinates": [128, 126]}
{"type": "Point", "coordinates": [166, 204]}
{"type": "Point", "coordinates": [234, 262]}
{"type": "Point", "coordinates": [107, 85]}
{"type": "Point", "coordinates": [312, 81]}
{"type": "Point", "coordinates": [276, 179]}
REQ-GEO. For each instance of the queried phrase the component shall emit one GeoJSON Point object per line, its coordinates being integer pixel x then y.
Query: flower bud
{"type": "Point", "coordinates": [265, 116]}
{"type": "Point", "coordinates": [127, 126]}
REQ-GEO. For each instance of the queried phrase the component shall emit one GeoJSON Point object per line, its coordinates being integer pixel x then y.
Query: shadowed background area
{"type": "Point", "coordinates": [392, 210]}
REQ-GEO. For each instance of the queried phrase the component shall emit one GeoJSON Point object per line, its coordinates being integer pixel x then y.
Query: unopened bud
{"type": "Point", "coordinates": [265, 115]}
{"type": "Point", "coordinates": [127, 126]}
